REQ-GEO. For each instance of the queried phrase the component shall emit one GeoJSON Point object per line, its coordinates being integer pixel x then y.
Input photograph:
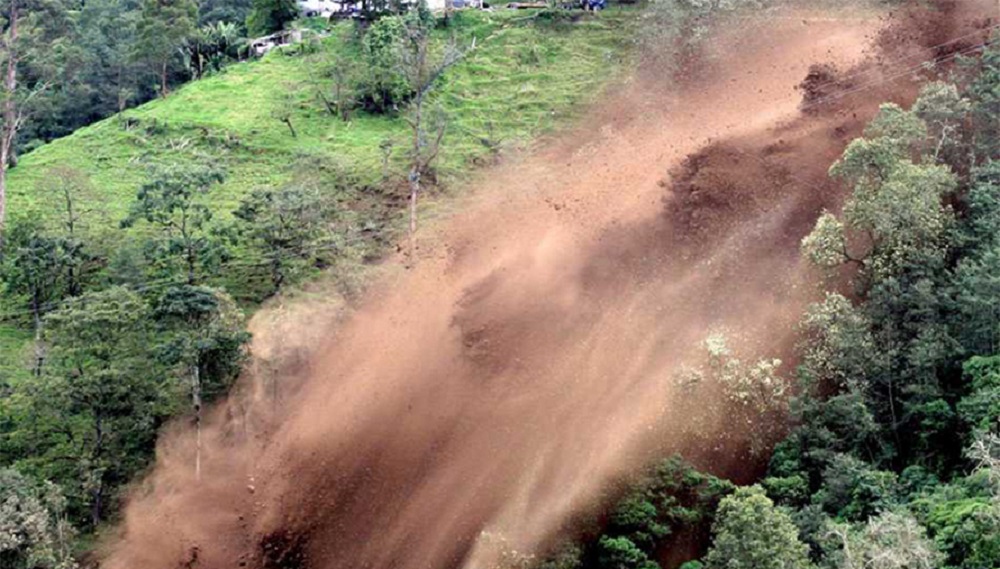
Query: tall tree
{"type": "Point", "coordinates": [206, 341]}
{"type": "Point", "coordinates": [33, 268]}
{"type": "Point", "coordinates": [269, 16]}
{"type": "Point", "coordinates": [19, 22]}
{"type": "Point", "coordinates": [751, 532]}
{"type": "Point", "coordinates": [164, 27]}
{"type": "Point", "coordinates": [422, 70]}
{"type": "Point", "coordinates": [286, 225]}
{"type": "Point", "coordinates": [173, 201]}
{"type": "Point", "coordinates": [104, 390]}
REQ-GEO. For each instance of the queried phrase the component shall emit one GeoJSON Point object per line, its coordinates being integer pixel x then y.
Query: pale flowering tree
{"type": "Point", "coordinates": [754, 390]}
{"type": "Point", "coordinates": [34, 533]}
{"type": "Point", "coordinates": [891, 540]}
{"type": "Point", "coordinates": [837, 343]}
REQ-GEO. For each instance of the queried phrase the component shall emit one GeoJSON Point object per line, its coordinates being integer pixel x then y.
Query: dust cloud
{"type": "Point", "coordinates": [477, 404]}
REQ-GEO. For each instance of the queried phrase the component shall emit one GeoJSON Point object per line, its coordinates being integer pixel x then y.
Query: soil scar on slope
{"type": "Point", "coordinates": [474, 405]}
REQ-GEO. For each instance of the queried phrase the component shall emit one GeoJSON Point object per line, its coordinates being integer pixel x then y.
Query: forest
{"type": "Point", "coordinates": [146, 215]}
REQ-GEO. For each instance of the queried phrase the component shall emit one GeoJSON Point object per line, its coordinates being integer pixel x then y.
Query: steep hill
{"type": "Point", "coordinates": [526, 75]}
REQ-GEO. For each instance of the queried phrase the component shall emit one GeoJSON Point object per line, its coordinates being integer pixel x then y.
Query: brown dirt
{"type": "Point", "coordinates": [479, 403]}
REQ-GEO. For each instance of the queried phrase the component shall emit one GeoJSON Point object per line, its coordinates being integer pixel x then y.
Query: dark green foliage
{"type": "Point", "coordinates": [286, 226]}
{"type": "Point", "coordinates": [622, 553]}
{"type": "Point", "coordinates": [896, 383]}
{"type": "Point", "coordinates": [670, 497]}
{"type": "Point", "coordinates": [980, 409]}
{"type": "Point", "coordinates": [384, 85]}
{"type": "Point", "coordinates": [203, 330]}
{"type": "Point", "coordinates": [230, 11]}
{"type": "Point", "coordinates": [97, 404]}
{"type": "Point", "coordinates": [163, 28]}
{"type": "Point", "coordinates": [269, 16]}
{"type": "Point", "coordinates": [33, 268]}
{"type": "Point", "coordinates": [852, 490]}
{"type": "Point", "coordinates": [173, 202]}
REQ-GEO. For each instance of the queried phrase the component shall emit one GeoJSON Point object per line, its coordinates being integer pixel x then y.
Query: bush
{"type": "Point", "coordinates": [383, 87]}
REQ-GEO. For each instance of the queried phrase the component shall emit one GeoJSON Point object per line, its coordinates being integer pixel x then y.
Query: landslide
{"type": "Point", "coordinates": [476, 404]}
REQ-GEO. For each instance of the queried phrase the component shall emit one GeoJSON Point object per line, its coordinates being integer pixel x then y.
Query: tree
{"type": "Point", "coordinates": [286, 225]}
{"type": "Point", "coordinates": [34, 266]}
{"type": "Point", "coordinates": [269, 16]}
{"type": "Point", "coordinates": [104, 390]}
{"type": "Point", "coordinates": [164, 27]}
{"type": "Point", "coordinates": [891, 540]}
{"type": "Point", "coordinates": [229, 11]}
{"type": "Point", "coordinates": [284, 108]}
{"type": "Point", "coordinates": [750, 532]}
{"type": "Point", "coordinates": [34, 533]}
{"type": "Point", "coordinates": [837, 345]}
{"type": "Point", "coordinates": [211, 46]}
{"type": "Point", "coordinates": [754, 390]}
{"type": "Point", "coordinates": [16, 98]}
{"type": "Point", "coordinates": [621, 553]}
{"type": "Point", "coordinates": [333, 77]}
{"type": "Point", "coordinates": [173, 202]}
{"type": "Point", "coordinates": [421, 72]}
{"type": "Point", "coordinates": [383, 86]}
{"type": "Point", "coordinates": [77, 200]}
{"type": "Point", "coordinates": [205, 343]}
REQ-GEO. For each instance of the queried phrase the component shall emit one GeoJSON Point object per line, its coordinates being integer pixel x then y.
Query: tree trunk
{"type": "Point", "coordinates": [36, 310]}
{"type": "Point", "coordinates": [416, 168]}
{"type": "Point", "coordinates": [163, 80]}
{"type": "Point", "coordinates": [191, 258]}
{"type": "Point", "coordinates": [196, 403]}
{"type": "Point", "coordinates": [97, 491]}
{"type": "Point", "coordinates": [10, 118]}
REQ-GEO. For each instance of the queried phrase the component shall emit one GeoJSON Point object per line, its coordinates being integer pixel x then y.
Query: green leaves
{"type": "Point", "coordinates": [287, 226]}
{"type": "Point", "coordinates": [384, 86]}
{"type": "Point", "coordinates": [895, 216]}
{"type": "Point", "coordinates": [269, 16]}
{"type": "Point", "coordinates": [173, 201]}
{"type": "Point", "coordinates": [751, 533]}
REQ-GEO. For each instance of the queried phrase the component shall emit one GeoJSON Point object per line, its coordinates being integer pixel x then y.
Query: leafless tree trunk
{"type": "Point", "coordinates": [11, 119]}
{"type": "Point", "coordinates": [422, 75]}
{"type": "Point", "coordinates": [196, 404]}
{"type": "Point", "coordinates": [164, 90]}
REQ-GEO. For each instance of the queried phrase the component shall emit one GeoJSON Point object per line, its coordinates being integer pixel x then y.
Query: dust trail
{"type": "Point", "coordinates": [474, 405]}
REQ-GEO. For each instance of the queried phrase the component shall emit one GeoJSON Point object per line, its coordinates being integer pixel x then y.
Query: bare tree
{"type": "Point", "coordinates": [422, 70]}
{"type": "Point", "coordinates": [284, 108]}
{"type": "Point", "coordinates": [14, 100]}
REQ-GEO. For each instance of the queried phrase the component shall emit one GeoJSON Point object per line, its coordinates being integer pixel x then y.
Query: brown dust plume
{"type": "Point", "coordinates": [478, 403]}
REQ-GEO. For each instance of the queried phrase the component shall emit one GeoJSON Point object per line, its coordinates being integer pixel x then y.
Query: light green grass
{"type": "Point", "coordinates": [522, 77]}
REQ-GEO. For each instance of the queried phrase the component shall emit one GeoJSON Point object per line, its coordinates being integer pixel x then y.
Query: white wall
{"type": "Point", "coordinates": [327, 7]}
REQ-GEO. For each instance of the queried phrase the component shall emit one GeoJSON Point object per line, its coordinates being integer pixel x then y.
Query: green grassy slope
{"type": "Point", "coordinates": [525, 76]}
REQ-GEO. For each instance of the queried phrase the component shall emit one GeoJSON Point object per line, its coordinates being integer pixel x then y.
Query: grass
{"type": "Point", "coordinates": [523, 78]}
{"type": "Point", "coordinates": [526, 76]}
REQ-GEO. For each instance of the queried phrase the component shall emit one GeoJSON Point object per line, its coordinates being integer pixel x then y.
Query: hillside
{"type": "Point", "coordinates": [525, 76]}
{"type": "Point", "coordinates": [738, 309]}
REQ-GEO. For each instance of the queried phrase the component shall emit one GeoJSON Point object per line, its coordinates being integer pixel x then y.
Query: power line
{"type": "Point", "coordinates": [901, 61]}
{"type": "Point", "coordinates": [907, 71]}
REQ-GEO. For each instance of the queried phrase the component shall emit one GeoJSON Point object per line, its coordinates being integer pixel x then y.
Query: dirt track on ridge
{"type": "Point", "coordinates": [475, 404]}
